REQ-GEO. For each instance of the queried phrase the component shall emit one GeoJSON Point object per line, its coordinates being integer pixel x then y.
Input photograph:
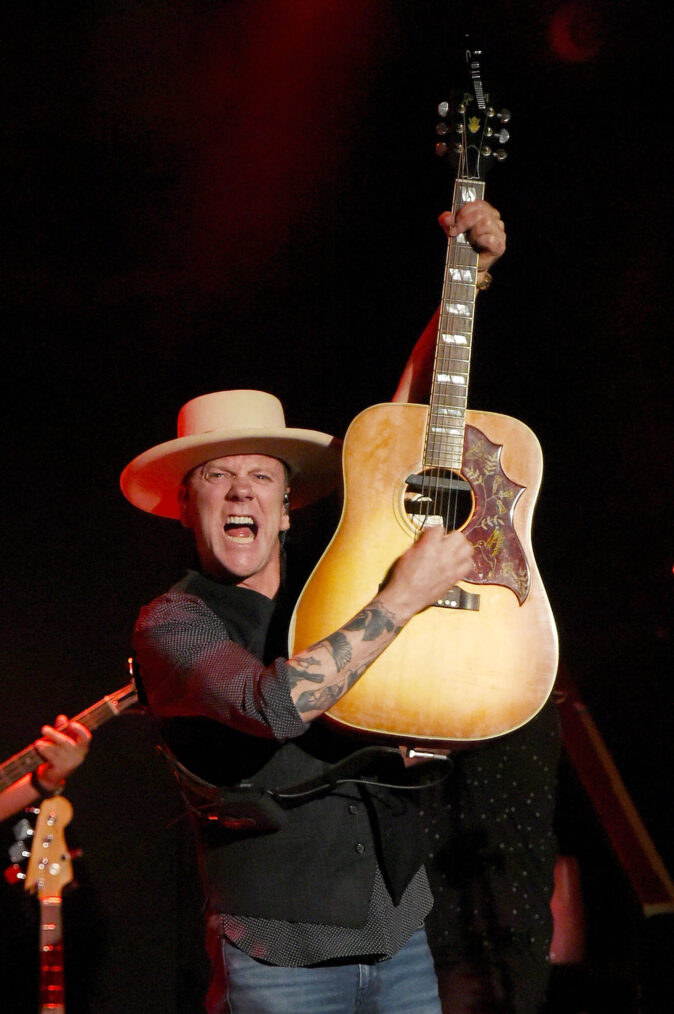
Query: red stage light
{"type": "Point", "coordinates": [576, 31]}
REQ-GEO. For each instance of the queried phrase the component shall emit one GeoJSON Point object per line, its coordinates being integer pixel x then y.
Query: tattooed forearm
{"type": "Point", "coordinates": [319, 700]}
{"type": "Point", "coordinates": [299, 672]}
{"type": "Point", "coordinates": [354, 675]}
{"type": "Point", "coordinates": [373, 621]}
{"type": "Point", "coordinates": [339, 659]}
{"type": "Point", "coordinates": [339, 647]}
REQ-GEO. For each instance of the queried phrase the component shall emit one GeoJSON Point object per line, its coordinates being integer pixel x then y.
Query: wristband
{"type": "Point", "coordinates": [40, 789]}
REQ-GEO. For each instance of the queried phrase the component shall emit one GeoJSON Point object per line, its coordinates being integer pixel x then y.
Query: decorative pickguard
{"type": "Point", "coordinates": [499, 557]}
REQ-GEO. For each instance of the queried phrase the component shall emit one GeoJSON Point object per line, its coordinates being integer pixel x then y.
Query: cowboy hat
{"type": "Point", "coordinates": [231, 422]}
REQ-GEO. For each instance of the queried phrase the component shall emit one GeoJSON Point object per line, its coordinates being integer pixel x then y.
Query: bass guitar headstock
{"type": "Point", "coordinates": [470, 132]}
{"type": "Point", "coordinates": [49, 867]}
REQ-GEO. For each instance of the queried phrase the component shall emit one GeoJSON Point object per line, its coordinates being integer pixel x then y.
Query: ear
{"type": "Point", "coordinates": [183, 496]}
{"type": "Point", "coordinates": [285, 519]}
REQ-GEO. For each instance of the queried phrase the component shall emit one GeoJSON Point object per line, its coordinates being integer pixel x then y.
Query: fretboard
{"type": "Point", "coordinates": [52, 996]}
{"type": "Point", "coordinates": [449, 390]}
{"type": "Point", "coordinates": [29, 759]}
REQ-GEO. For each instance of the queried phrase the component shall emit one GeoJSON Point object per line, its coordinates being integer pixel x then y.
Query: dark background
{"type": "Point", "coordinates": [199, 195]}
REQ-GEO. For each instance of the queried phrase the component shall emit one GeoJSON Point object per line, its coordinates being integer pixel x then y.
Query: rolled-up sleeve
{"type": "Point", "coordinates": [189, 666]}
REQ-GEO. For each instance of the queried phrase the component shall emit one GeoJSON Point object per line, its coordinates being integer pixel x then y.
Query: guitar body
{"type": "Point", "coordinates": [454, 674]}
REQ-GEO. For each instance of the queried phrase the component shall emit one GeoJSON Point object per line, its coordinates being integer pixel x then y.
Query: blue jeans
{"type": "Point", "coordinates": [405, 984]}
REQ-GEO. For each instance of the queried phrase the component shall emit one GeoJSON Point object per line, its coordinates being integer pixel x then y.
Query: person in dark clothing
{"type": "Point", "coordinates": [492, 853]}
{"type": "Point", "coordinates": [317, 906]}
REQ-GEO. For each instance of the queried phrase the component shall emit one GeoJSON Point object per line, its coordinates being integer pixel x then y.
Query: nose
{"type": "Point", "coordinates": [240, 488]}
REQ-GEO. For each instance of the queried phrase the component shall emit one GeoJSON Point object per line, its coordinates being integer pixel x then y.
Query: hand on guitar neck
{"type": "Point", "coordinates": [41, 768]}
{"type": "Point", "coordinates": [62, 748]}
{"type": "Point", "coordinates": [484, 228]}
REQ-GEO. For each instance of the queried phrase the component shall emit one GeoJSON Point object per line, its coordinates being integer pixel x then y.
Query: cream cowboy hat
{"type": "Point", "coordinates": [231, 422]}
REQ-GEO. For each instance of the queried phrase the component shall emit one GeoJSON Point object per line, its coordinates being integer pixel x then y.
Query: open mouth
{"type": "Point", "coordinates": [241, 528]}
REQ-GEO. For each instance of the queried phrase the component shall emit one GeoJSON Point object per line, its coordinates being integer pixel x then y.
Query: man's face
{"type": "Point", "coordinates": [234, 505]}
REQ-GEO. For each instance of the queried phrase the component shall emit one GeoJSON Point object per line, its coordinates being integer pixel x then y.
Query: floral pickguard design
{"type": "Point", "coordinates": [499, 557]}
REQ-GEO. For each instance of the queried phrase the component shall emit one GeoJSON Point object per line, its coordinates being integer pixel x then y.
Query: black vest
{"type": "Point", "coordinates": [319, 867]}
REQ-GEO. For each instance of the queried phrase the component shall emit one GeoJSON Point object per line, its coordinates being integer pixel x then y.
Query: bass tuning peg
{"type": "Point", "coordinates": [14, 873]}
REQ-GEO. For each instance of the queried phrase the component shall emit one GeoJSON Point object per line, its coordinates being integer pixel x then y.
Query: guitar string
{"type": "Point", "coordinates": [440, 498]}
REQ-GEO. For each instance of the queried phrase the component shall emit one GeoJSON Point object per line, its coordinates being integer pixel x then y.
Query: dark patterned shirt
{"type": "Point", "coordinates": [193, 666]}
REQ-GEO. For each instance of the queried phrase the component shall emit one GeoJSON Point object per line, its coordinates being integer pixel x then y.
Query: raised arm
{"type": "Point", "coordinates": [486, 232]}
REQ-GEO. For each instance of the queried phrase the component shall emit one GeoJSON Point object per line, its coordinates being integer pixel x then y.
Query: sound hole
{"type": "Point", "coordinates": [437, 496]}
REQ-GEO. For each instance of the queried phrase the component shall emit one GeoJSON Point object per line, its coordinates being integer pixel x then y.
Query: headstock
{"type": "Point", "coordinates": [475, 134]}
{"type": "Point", "coordinates": [50, 867]}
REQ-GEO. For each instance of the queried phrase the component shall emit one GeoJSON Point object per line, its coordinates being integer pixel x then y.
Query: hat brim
{"type": "Point", "coordinates": [152, 480]}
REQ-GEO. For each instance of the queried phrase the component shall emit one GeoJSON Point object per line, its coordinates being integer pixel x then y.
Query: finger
{"type": "Point", "coordinates": [475, 220]}
{"type": "Point", "coordinates": [79, 733]}
{"type": "Point", "coordinates": [446, 221]}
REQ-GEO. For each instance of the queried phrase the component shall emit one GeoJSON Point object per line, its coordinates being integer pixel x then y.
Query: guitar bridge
{"type": "Point", "coordinates": [459, 598]}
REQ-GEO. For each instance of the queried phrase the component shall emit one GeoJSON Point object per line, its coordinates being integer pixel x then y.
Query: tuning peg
{"type": "Point", "coordinates": [14, 873]}
{"type": "Point", "coordinates": [504, 116]}
{"type": "Point", "coordinates": [441, 129]}
{"type": "Point", "coordinates": [500, 155]}
{"type": "Point", "coordinates": [443, 108]}
{"type": "Point", "coordinates": [440, 149]}
{"type": "Point", "coordinates": [18, 852]}
{"type": "Point", "coordinates": [503, 136]}
{"type": "Point", "coordinates": [23, 829]}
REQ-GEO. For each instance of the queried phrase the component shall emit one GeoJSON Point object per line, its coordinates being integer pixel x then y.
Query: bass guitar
{"type": "Point", "coordinates": [49, 870]}
{"type": "Point", "coordinates": [482, 660]}
{"type": "Point", "coordinates": [108, 707]}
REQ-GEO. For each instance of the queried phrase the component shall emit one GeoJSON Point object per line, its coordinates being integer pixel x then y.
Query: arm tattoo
{"type": "Point", "coordinates": [339, 647]}
{"type": "Point", "coordinates": [318, 700]}
{"type": "Point", "coordinates": [373, 621]}
{"type": "Point", "coordinates": [299, 672]}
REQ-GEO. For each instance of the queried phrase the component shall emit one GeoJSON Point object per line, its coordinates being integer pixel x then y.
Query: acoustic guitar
{"type": "Point", "coordinates": [480, 662]}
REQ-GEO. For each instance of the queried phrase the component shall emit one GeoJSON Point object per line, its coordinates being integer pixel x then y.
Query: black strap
{"type": "Point", "coordinates": [249, 807]}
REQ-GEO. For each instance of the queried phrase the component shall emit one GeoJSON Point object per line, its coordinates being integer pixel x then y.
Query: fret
{"type": "Point", "coordinates": [460, 292]}
{"type": "Point", "coordinates": [462, 257]}
{"type": "Point", "coordinates": [453, 358]}
{"type": "Point", "coordinates": [446, 410]}
{"type": "Point", "coordinates": [459, 309]}
{"type": "Point", "coordinates": [461, 274]}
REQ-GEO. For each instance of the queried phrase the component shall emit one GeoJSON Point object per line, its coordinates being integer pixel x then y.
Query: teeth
{"type": "Point", "coordinates": [239, 519]}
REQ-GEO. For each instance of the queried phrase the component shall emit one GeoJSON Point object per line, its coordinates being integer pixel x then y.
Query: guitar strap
{"type": "Point", "coordinates": [254, 809]}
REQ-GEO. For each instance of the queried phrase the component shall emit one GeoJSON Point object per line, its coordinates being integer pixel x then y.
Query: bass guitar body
{"type": "Point", "coordinates": [482, 661]}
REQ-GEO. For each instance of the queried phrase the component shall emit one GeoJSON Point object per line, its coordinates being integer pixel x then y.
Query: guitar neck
{"type": "Point", "coordinates": [451, 369]}
{"type": "Point", "coordinates": [52, 987]}
{"type": "Point", "coordinates": [109, 707]}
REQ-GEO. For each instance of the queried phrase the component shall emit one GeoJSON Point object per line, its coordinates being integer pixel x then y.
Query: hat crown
{"type": "Point", "coordinates": [230, 411]}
